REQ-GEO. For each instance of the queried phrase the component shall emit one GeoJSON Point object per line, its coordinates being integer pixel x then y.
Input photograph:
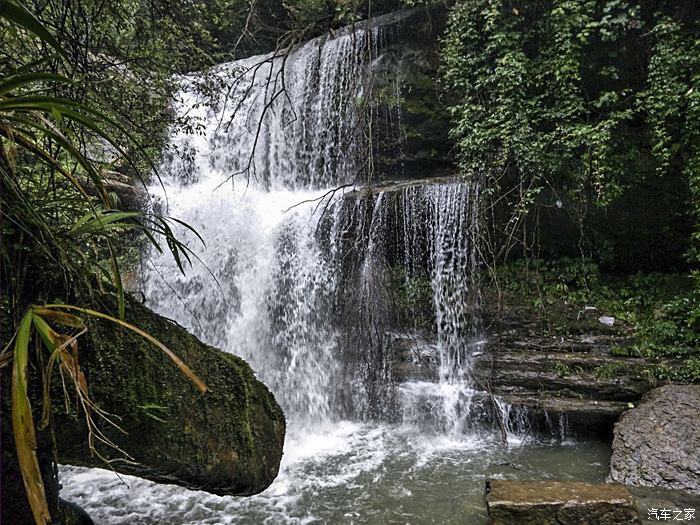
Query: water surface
{"type": "Point", "coordinates": [349, 473]}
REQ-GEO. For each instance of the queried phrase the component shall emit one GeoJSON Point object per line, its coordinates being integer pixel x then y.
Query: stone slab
{"type": "Point", "coordinates": [559, 503]}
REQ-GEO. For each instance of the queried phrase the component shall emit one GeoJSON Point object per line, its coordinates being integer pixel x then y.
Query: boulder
{"type": "Point", "coordinates": [657, 443]}
{"type": "Point", "coordinates": [559, 503]}
{"type": "Point", "coordinates": [226, 441]}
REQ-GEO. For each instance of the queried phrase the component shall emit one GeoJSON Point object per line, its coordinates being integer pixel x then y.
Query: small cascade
{"type": "Point", "coordinates": [427, 232]}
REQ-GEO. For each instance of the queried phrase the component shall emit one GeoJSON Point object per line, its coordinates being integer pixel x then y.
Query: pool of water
{"type": "Point", "coordinates": [350, 473]}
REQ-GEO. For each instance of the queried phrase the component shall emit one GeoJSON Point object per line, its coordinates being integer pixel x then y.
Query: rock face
{"type": "Point", "coordinates": [559, 503]}
{"type": "Point", "coordinates": [657, 443]}
{"type": "Point", "coordinates": [561, 375]}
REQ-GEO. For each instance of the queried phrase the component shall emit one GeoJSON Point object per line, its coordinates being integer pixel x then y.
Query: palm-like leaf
{"type": "Point", "coordinates": [43, 134]}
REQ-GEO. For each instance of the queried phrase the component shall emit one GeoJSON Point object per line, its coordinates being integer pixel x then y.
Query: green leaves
{"type": "Point", "coordinates": [59, 233]}
{"type": "Point", "coordinates": [19, 16]}
{"type": "Point", "coordinates": [57, 132]}
{"type": "Point", "coordinates": [572, 98]}
{"type": "Point", "coordinates": [23, 425]}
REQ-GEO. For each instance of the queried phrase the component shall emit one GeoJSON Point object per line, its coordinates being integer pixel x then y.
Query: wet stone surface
{"type": "Point", "coordinates": [656, 444]}
{"type": "Point", "coordinates": [559, 503]}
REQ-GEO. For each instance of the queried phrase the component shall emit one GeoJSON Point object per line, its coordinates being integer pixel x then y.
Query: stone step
{"type": "Point", "coordinates": [571, 406]}
{"type": "Point", "coordinates": [559, 503]}
{"type": "Point", "coordinates": [563, 373]}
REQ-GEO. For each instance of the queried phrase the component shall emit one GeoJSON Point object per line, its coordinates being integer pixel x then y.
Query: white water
{"type": "Point", "coordinates": [303, 297]}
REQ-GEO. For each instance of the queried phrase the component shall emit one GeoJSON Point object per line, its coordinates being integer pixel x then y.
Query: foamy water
{"type": "Point", "coordinates": [347, 473]}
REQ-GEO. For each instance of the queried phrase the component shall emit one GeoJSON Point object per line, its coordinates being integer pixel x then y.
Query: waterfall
{"type": "Point", "coordinates": [295, 120]}
{"type": "Point", "coordinates": [297, 278]}
{"type": "Point", "coordinates": [359, 308]}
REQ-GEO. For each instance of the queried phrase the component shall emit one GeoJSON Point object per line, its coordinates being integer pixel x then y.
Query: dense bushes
{"type": "Point", "coordinates": [571, 105]}
{"type": "Point", "coordinates": [589, 111]}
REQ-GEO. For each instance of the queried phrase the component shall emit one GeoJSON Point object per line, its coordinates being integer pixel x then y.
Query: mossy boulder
{"type": "Point", "coordinates": [227, 441]}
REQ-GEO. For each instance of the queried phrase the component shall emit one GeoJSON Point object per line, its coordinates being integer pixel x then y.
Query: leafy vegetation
{"type": "Point", "coordinates": [573, 106]}
{"type": "Point", "coordinates": [660, 312]}
{"type": "Point", "coordinates": [60, 234]}
{"type": "Point", "coordinates": [577, 98]}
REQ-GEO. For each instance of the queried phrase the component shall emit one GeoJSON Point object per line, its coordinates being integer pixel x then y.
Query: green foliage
{"type": "Point", "coordinates": [573, 102]}
{"type": "Point", "coordinates": [660, 312]}
{"type": "Point", "coordinates": [564, 370]}
{"type": "Point", "coordinates": [59, 234]}
{"type": "Point", "coordinates": [609, 370]}
{"type": "Point", "coordinates": [413, 299]}
{"type": "Point", "coordinates": [564, 279]}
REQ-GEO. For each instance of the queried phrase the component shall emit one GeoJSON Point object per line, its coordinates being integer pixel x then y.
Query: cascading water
{"type": "Point", "coordinates": [446, 246]}
{"type": "Point", "coordinates": [306, 297]}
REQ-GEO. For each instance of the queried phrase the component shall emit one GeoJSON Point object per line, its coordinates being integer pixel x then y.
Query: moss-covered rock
{"type": "Point", "coordinates": [227, 441]}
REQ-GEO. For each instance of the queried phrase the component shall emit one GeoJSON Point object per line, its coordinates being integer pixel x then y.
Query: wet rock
{"type": "Point", "coordinates": [72, 514]}
{"type": "Point", "coordinates": [131, 196]}
{"type": "Point", "coordinates": [227, 441]}
{"type": "Point", "coordinates": [657, 443]}
{"type": "Point", "coordinates": [548, 377]}
{"type": "Point", "coordinates": [413, 119]}
{"type": "Point", "coordinates": [559, 503]}
{"type": "Point", "coordinates": [415, 358]}
{"type": "Point", "coordinates": [397, 186]}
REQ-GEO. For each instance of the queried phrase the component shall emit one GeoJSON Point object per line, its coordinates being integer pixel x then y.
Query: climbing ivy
{"type": "Point", "coordinates": [572, 104]}
{"type": "Point", "coordinates": [580, 99]}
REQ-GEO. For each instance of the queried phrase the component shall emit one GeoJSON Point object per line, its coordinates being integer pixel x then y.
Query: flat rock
{"type": "Point", "coordinates": [657, 443]}
{"type": "Point", "coordinates": [559, 503]}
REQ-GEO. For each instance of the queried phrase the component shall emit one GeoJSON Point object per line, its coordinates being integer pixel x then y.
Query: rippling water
{"type": "Point", "coordinates": [348, 473]}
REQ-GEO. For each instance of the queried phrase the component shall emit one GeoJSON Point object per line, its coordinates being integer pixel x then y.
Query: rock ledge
{"type": "Point", "coordinates": [559, 503]}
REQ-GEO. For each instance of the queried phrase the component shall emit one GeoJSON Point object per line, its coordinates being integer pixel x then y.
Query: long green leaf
{"type": "Point", "coordinates": [18, 14]}
{"type": "Point", "coordinates": [91, 223]}
{"type": "Point", "coordinates": [23, 426]}
{"type": "Point", "coordinates": [183, 223]}
{"type": "Point", "coordinates": [117, 281]}
{"type": "Point", "coordinates": [28, 79]}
